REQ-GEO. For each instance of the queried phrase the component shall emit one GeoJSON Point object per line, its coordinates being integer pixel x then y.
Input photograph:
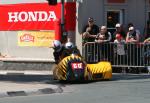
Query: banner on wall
{"type": "Point", "coordinates": [35, 16]}
{"type": "Point", "coordinates": [34, 38]}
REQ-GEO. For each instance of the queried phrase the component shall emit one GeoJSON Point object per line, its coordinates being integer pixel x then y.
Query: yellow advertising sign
{"type": "Point", "coordinates": [34, 38]}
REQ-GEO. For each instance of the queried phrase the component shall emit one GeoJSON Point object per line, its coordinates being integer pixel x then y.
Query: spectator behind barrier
{"type": "Point", "coordinates": [132, 35]}
{"type": "Point", "coordinates": [120, 50]}
{"type": "Point", "coordinates": [92, 32]}
{"type": "Point", "coordinates": [137, 31]}
{"type": "Point", "coordinates": [119, 30]}
{"type": "Point", "coordinates": [70, 48]}
{"type": "Point", "coordinates": [120, 47]}
{"type": "Point", "coordinates": [147, 40]}
{"type": "Point", "coordinates": [86, 35]}
{"type": "Point", "coordinates": [133, 49]}
{"type": "Point", "coordinates": [103, 36]}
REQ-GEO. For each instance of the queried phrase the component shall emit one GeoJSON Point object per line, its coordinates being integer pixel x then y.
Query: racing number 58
{"type": "Point", "coordinates": [76, 65]}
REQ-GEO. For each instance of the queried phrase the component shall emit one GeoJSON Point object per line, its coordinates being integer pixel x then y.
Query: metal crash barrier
{"type": "Point", "coordinates": [119, 54]}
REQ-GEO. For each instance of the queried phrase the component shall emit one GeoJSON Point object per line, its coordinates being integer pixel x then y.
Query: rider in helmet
{"type": "Point", "coordinates": [58, 50]}
{"type": "Point", "coordinates": [70, 48]}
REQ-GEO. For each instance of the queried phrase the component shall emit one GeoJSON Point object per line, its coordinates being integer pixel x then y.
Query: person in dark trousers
{"type": "Point", "coordinates": [147, 40]}
{"type": "Point", "coordinates": [89, 33]}
{"type": "Point", "coordinates": [58, 50]}
{"type": "Point", "coordinates": [103, 38]}
{"type": "Point", "coordinates": [133, 50]}
{"type": "Point", "coordinates": [94, 29]}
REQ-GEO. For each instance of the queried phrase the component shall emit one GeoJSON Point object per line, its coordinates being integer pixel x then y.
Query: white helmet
{"type": "Point", "coordinates": [69, 45]}
{"type": "Point", "coordinates": [57, 45]}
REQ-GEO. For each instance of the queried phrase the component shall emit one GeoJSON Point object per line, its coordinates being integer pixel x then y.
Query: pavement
{"type": "Point", "coordinates": [24, 83]}
{"type": "Point", "coordinates": [25, 72]}
{"type": "Point", "coordinates": [9, 89]}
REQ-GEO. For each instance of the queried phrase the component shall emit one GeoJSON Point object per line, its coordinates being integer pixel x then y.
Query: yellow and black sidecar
{"type": "Point", "coordinates": [73, 67]}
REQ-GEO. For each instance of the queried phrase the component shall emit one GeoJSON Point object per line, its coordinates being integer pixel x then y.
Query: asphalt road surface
{"type": "Point", "coordinates": [128, 88]}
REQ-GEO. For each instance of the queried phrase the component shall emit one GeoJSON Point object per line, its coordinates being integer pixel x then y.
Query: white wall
{"type": "Point", "coordinates": [9, 46]}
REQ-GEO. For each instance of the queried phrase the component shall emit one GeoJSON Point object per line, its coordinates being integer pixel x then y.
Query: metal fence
{"type": "Point", "coordinates": [119, 54]}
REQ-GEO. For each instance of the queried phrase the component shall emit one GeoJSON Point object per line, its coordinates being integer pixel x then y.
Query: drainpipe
{"type": "Point", "coordinates": [62, 16]}
{"type": "Point", "coordinates": [63, 32]}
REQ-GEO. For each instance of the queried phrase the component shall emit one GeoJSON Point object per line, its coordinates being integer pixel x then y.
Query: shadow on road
{"type": "Point", "coordinates": [48, 79]}
{"type": "Point", "coordinates": [28, 78]}
{"type": "Point", "coordinates": [127, 76]}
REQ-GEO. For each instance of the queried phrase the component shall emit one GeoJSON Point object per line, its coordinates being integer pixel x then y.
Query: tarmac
{"type": "Point", "coordinates": [29, 82]}
{"type": "Point", "coordinates": [24, 83]}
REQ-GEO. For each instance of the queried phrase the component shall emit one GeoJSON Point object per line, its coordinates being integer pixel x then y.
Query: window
{"type": "Point", "coordinates": [114, 17]}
